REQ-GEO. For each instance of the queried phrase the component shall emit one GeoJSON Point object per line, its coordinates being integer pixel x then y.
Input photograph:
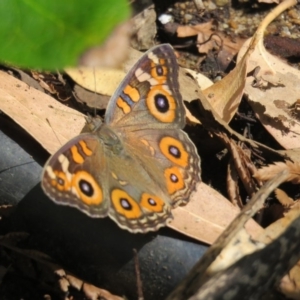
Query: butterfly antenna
{"type": "Point", "coordinates": [95, 110]}
{"type": "Point", "coordinates": [53, 131]}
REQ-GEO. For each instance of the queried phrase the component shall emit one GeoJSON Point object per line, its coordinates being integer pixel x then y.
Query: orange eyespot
{"type": "Point", "coordinates": [159, 72]}
{"type": "Point", "coordinates": [161, 104]}
{"type": "Point", "coordinates": [87, 188]}
{"type": "Point", "coordinates": [125, 205]}
{"type": "Point", "coordinates": [174, 180]}
{"type": "Point", "coordinates": [174, 150]}
{"type": "Point", "coordinates": [60, 181]}
{"type": "Point", "coordinates": [152, 203]}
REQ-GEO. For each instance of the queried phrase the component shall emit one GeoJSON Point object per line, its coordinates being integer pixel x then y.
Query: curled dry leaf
{"type": "Point", "coordinates": [270, 171]}
{"type": "Point", "coordinates": [283, 198]}
{"type": "Point", "coordinates": [232, 185]}
{"type": "Point", "coordinates": [209, 39]}
{"type": "Point", "coordinates": [242, 163]}
{"type": "Point", "coordinates": [225, 95]}
{"type": "Point", "coordinates": [273, 90]}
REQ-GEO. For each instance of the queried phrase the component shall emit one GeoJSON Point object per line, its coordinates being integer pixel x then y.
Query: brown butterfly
{"type": "Point", "coordinates": [138, 164]}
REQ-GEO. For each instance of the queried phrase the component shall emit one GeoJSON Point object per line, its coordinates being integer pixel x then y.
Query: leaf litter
{"type": "Point", "coordinates": [233, 247]}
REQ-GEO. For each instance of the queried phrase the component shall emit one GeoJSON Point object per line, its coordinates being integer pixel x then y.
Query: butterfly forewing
{"type": "Point", "coordinates": [149, 95]}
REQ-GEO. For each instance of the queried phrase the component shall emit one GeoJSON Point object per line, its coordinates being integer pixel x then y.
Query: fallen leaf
{"type": "Point", "coordinates": [144, 29]}
{"type": "Point", "coordinates": [270, 171]}
{"type": "Point", "coordinates": [101, 80]}
{"type": "Point", "coordinates": [31, 109]}
{"type": "Point", "coordinates": [206, 215]}
{"type": "Point", "coordinates": [275, 95]}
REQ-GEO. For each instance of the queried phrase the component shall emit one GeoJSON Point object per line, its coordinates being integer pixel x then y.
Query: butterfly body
{"type": "Point", "coordinates": [138, 164]}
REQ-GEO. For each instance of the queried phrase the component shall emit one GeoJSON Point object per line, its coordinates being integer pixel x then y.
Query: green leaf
{"type": "Point", "coordinates": [53, 34]}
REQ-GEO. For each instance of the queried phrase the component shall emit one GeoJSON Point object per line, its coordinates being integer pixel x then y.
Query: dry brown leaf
{"type": "Point", "coordinates": [187, 30]}
{"type": "Point", "coordinates": [91, 99]}
{"type": "Point", "coordinates": [206, 215]}
{"type": "Point", "coordinates": [272, 170]}
{"type": "Point", "coordinates": [283, 198]}
{"type": "Point", "coordinates": [31, 109]}
{"type": "Point", "coordinates": [268, 1]}
{"type": "Point", "coordinates": [144, 29]}
{"type": "Point", "coordinates": [208, 39]}
{"type": "Point", "coordinates": [203, 81]}
{"type": "Point", "coordinates": [225, 95]}
{"type": "Point", "coordinates": [232, 185]}
{"type": "Point", "coordinates": [277, 90]}
{"type": "Point", "coordinates": [243, 165]}
{"type": "Point", "coordinates": [101, 80]}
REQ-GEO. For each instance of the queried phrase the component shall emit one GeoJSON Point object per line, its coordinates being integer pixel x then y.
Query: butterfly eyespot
{"type": "Point", "coordinates": [152, 203]}
{"type": "Point", "coordinates": [174, 180]}
{"type": "Point", "coordinates": [125, 205]}
{"type": "Point", "coordinates": [174, 150]}
{"type": "Point", "coordinates": [86, 188]}
{"type": "Point", "coordinates": [161, 104]}
{"type": "Point", "coordinates": [60, 181]}
{"type": "Point", "coordinates": [159, 70]}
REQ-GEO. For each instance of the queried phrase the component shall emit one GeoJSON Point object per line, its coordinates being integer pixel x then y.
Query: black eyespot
{"type": "Point", "coordinates": [125, 204]}
{"type": "Point", "coordinates": [173, 150]}
{"type": "Point", "coordinates": [161, 103]}
{"type": "Point", "coordinates": [174, 178]}
{"type": "Point", "coordinates": [86, 188]}
{"type": "Point", "coordinates": [151, 201]}
{"type": "Point", "coordinates": [159, 71]}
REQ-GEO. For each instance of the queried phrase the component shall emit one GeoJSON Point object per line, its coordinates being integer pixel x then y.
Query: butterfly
{"type": "Point", "coordinates": [138, 163]}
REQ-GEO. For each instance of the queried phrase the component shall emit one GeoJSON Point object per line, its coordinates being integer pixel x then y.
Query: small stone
{"type": "Point", "coordinates": [222, 2]}
{"type": "Point", "coordinates": [187, 18]}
